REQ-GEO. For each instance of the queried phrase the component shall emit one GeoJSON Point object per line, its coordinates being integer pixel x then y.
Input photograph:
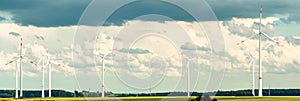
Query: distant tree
{"type": "Point", "coordinates": [76, 93]}
{"type": "Point", "coordinates": [31, 95]}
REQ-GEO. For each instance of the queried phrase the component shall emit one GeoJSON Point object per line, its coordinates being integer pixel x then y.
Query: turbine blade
{"type": "Point", "coordinates": [9, 62]}
{"type": "Point", "coordinates": [249, 65]}
{"type": "Point", "coordinates": [243, 41]}
{"type": "Point", "coordinates": [267, 36]}
{"type": "Point", "coordinates": [54, 62]}
{"type": "Point", "coordinates": [39, 61]}
{"type": "Point", "coordinates": [31, 62]}
{"type": "Point", "coordinates": [39, 48]}
{"type": "Point", "coordinates": [47, 64]}
{"type": "Point", "coordinates": [251, 55]}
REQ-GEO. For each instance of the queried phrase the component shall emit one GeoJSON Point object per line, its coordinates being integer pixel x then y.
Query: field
{"type": "Point", "coordinates": [219, 98]}
{"type": "Point", "coordinates": [267, 98]}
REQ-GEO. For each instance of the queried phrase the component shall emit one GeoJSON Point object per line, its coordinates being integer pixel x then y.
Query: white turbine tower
{"type": "Point", "coordinates": [103, 70]}
{"type": "Point", "coordinates": [49, 72]}
{"type": "Point", "coordinates": [253, 78]}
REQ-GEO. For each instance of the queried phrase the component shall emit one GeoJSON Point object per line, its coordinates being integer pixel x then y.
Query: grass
{"type": "Point", "coordinates": [172, 98]}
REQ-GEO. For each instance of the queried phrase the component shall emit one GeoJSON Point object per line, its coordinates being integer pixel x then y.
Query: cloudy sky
{"type": "Point", "coordinates": [152, 43]}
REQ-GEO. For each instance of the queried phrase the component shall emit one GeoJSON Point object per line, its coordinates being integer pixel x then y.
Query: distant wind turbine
{"type": "Point", "coordinates": [103, 70]}
{"type": "Point", "coordinates": [46, 56]}
{"type": "Point", "coordinates": [49, 64]}
{"type": "Point", "coordinates": [188, 72]}
{"type": "Point", "coordinates": [18, 61]}
{"type": "Point", "coordinates": [253, 78]}
{"type": "Point", "coordinates": [17, 72]}
{"type": "Point", "coordinates": [42, 59]}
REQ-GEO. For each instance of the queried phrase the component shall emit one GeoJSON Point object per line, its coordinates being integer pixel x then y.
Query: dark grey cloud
{"type": "Point", "coordinates": [191, 46]}
{"type": "Point", "coordinates": [292, 40]}
{"type": "Point", "coordinates": [1, 18]}
{"type": "Point", "coordinates": [39, 37]}
{"type": "Point", "coordinates": [67, 12]}
{"type": "Point", "coordinates": [45, 12]}
{"type": "Point", "coordinates": [14, 34]}
{"type": "Point", "coordinates": [188, 46]}
{"type": "Point", "coordinates": [226, 9]}
{"type": "Point", "coordinates": [48, 13]}
{"type": "Point", "coordinates": [134, 51]}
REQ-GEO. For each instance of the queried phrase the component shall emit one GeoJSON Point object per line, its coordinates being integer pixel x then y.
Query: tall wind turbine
{"type": "Point", "coordinates": [188, 73]}
{"type": "Point", "coordinates": [103, 70]}
{"type": "Point", "coordinates": [253, 78]}
{"type": "Point", "coordinates": [188, 78]}
{"type": "Point", "coordinates": [49, 72]}
{"type": "Point", "coordinates": [18, 60]}
{"type": "Point", "coordinates": [46, 56]}
{"type": "Point", "coordinates": [49, 64]}
{"type": "Point", "coordinates": [260, 34]}
{"type": "Point", "coordinates": [17, 73]}
{"type": "Point", "coordinates": [43, 65]}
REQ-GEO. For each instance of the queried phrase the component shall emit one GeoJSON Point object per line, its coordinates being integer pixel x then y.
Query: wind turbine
{"type": "Point", "coordinates": [253, 78]}
{"type": "Point", "coordinates": [49, 72]}
{"type": "Point", "coordinates": [188, 78]}
{"type": "Point", "coordinates": [103, 70]}
{"type": "Point", "coordinates": [49, 63]}
{"type": "Point", "coordinates": [188, 73]}
{"type": "Point", "coordinates": [42, 59]}
{"type": "Point", "coordinates": [17, 72]}
{"type": "Point", "coordinates": [18, 60]}
{"type": "Point", "coordinates": [260, 34]}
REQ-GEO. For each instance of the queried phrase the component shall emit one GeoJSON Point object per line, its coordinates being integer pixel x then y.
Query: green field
{"type": "Point", "coordinates": [267, 98]}
{"type": "Point", "coordinates": [219, 98]}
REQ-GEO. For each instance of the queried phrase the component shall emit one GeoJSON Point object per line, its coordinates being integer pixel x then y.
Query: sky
{"type": "Point", "coordinates": [152, 43]}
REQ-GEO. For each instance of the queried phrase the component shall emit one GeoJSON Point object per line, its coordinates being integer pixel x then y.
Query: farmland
{"type": "Point", "coordinates": [172, 98]}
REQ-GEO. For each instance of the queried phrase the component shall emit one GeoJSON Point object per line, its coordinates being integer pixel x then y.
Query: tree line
{"type": "Point", "coordinates": [85, 93]}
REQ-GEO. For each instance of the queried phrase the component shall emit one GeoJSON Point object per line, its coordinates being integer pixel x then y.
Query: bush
{"type": "Point", "coordinates": [205, 97]}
